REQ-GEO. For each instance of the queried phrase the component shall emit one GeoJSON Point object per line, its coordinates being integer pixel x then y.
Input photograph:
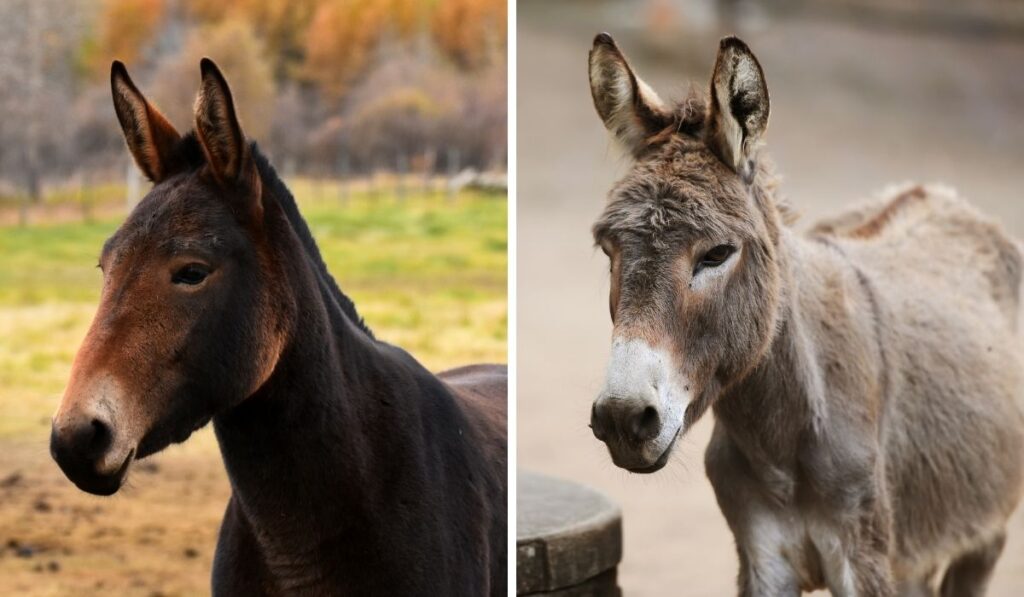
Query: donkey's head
{"type": "Point", "coordinates": [192, 316]}
{"type": "Point", "coordinates": [691, 234]}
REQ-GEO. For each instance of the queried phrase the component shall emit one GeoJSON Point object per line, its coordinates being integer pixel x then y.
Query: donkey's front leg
{"type": "Point", "coordinates": [764, 569]}
{"type": "Point", "coordinates": [766, 535]}
{"type": "Point", "coordinates": [852, 544]}
{"type": "Point", "coordinates": [851, 568]}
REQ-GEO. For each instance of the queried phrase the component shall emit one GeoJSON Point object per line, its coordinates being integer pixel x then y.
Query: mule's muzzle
{"type": "Point", "coordinates": [83, 450]}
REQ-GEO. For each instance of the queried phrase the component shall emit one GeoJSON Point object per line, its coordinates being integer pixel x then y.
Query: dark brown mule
{"type": "Point", "coordinates": [354, 470]}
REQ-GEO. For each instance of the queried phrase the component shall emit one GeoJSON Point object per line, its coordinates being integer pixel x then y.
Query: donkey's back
{"type": "Point", "coordinates": [947, 282]}
{"type": "Point", "coordinates": [925, 239]}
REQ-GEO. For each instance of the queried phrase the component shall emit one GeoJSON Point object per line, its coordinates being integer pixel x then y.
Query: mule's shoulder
{"type": "Point", "coordinates": [938, 239]}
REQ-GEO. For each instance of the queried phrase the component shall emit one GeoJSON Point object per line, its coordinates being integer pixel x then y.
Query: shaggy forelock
{"type": "Point", "coordinates": [681, 190]}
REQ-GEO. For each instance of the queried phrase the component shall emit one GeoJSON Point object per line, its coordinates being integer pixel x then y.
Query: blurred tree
{"type": "Point", "coordinates": [412, 105]}
{"type": "Point", "coordinates": [344, 34]}
{"type": "Point", "coordinates": [123, 30]}
{"type": "Point", "coordinates": [37, 41]}
{"type": "Point", "coordinates": [325, 84]}
{"type": "Point", "coordinates": [470, 32]}
{"type": "Point", "coordinates": [281, 25]}
{"type": "Point", "coordinates": [236, 49]}
{"type": "Point", "coordinates": [340, 39]}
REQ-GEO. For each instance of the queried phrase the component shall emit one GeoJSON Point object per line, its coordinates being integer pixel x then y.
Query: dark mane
{"type": "Point", "coordinates": [284, 197]}
{"type": "Point", "coordinates": [188, 155]}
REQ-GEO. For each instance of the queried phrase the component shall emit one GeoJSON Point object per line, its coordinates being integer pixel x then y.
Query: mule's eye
{"type": "Point", "coordinates": [191, 274]}
{"type": "Point", "coordinates": [715, 257]}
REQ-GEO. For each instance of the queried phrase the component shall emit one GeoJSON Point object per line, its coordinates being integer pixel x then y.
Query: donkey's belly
{"type": "Point", "coordinates": [947, 284]}
{"type": "Point", "coordinates": [954, 435]}
{"type": "Point", "coordinates": [954, 477]}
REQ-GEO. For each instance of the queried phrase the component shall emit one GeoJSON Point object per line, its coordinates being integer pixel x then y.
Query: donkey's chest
{"type": "Point", "coordinates": [789, 534]}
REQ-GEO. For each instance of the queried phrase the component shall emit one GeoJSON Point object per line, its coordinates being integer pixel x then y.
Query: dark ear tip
{"type": "Point", "coordinates": [733, 42]}
{"type": "Point", "coordinates": [118, 70]}
{"type": "Point", "coordinates": [604, 39]}
{"type": "Point", "coordinates": [208, 66]}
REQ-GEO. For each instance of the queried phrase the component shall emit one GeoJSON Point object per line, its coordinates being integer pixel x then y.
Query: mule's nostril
{"type": "Point", "coordinates": [647, 424]}
{"type": "Point", "coordinates": [97, 439]}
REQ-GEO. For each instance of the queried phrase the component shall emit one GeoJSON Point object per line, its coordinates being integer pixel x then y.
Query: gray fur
{"type": "Point", "coordinates": [865, 377]}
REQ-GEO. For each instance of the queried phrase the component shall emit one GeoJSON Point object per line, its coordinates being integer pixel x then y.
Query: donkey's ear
{"type": "Point", "coordinates": [217, 127]}
{"type": "Point", "coordinates": [150, 137]}
{"type": "Point", "coordinates": [739, 106]}
{"type": "Point", "coordinates": [630, 109]}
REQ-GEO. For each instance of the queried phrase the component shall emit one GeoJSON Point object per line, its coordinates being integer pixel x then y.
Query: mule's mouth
{"type": "Point", "coordinates": [660, 462]}
{"type": "Point", "coordinates": [88, 480]}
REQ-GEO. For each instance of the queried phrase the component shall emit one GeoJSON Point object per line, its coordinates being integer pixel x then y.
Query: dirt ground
{"type": "Point", "coordinates": [155, 537]}
{"type": "Point", "coordinates": [852, 111]}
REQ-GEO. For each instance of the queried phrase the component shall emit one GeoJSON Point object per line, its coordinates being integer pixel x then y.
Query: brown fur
{"type": "Point", "coordinates": [148, 133]}
{"type": "Point", "coordinates": [865, 378]}
{"type": "Point", "coordinates": [866, 225]}
{"type": "Point", "coordinates": [354, 470]}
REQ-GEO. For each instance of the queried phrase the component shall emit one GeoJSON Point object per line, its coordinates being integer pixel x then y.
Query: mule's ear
{"type": "Point", "coordinates": [738, 114]}
{"type": "Point", "coordinates": [150, 137]}
{"type": "Point", "coordinates": [217, 127]}
{"type": "Point", "coordinates": [630, 109]}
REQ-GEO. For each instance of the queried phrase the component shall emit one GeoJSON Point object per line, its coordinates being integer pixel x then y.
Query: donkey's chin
{"type": "Point", "coordinates": [635, 461]}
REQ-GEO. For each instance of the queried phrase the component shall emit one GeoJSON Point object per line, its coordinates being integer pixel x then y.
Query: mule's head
{"type": "Point", "coordinates": [191, 320]}
{"type": "Point", "coordinates": [691, 235]}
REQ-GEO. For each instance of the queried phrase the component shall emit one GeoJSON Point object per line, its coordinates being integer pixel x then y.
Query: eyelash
{"type": "Point", "coordinates": [711, 259]}
{"type": "Point", "coordinates": [192, 274]}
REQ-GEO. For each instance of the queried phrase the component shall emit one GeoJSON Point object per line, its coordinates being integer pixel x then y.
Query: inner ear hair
{"type": "Point", "coordinates": [151, 139]}
{"type": "Point", "coordinates": [631, 111]}
{"type": "Point", "coordinates": [739, 107]}
{"type": "Point", "coordinates": [217, 126]}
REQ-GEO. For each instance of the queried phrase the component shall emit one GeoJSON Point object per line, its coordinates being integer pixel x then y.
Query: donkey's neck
{"type": "Point", "coordinates": [335, 437]}
{"type": "Point", "coordinates": [826, 349]}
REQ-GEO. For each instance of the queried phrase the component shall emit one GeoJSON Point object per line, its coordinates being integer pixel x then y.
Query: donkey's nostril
{"type": "Point", "coordinates": [646, 424]}
{"type": "Point", "coordinates": [596, 425]}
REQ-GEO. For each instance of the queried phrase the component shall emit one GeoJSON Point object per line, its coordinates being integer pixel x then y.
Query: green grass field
{"type": "Point", "coordinates": [427, 273]}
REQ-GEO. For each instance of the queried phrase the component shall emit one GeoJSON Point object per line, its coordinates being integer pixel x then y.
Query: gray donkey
{"type": "Point", "coordinates": [864, 377]}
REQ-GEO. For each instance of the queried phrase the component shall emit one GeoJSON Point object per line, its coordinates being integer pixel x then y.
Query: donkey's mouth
{"type": "Point", "coordinates": [660, 462]}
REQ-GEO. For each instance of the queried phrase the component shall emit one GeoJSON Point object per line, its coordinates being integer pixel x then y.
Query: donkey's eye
{"type": "Point", "coordinates": [715, 257]}
{"type": "Point", "coordinates": [191, 274]}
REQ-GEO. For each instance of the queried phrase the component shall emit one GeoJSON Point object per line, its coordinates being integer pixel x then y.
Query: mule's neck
{"type": "Point", "coordinates": [333, 436]}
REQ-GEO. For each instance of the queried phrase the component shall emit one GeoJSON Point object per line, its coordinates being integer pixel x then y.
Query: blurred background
{"type": "Point", "coordinates": [865, 93]}
{"type": "Point", "coordinates": [330, 88]}
{"type": "Point", "coordinates": [387, 119]}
